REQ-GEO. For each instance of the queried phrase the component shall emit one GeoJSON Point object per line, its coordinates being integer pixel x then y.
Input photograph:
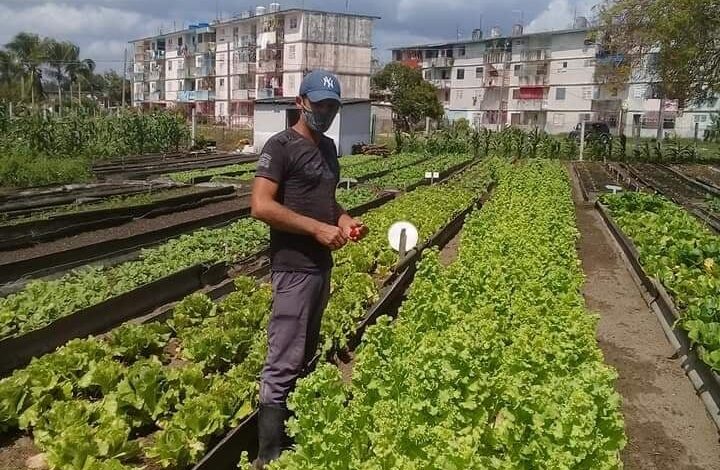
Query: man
{"type": "Point", "coordinates": [294, 193]}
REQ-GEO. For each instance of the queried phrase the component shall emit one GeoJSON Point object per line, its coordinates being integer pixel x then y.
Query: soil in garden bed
{"type": "Point", "coordinates": [709, 173]}
{"type": "Point", "coordinates": [136, 227]}
{"type": "Point", "coordinates": [665, 421]}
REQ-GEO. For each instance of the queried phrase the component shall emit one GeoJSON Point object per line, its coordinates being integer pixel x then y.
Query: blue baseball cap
{"type": "Point", "coordinates": [320, 85]}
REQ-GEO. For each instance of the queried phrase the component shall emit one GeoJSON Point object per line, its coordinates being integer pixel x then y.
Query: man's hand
{"type": "Point", "coordinates": [353, 229]}
{"type": "Point", "coordinates": [331, 236]}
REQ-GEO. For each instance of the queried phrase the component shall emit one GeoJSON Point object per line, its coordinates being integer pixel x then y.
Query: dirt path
{"type": "Point", "coordinates": [665, 421]}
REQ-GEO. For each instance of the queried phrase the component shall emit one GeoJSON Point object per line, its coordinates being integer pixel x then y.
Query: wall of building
{"type": "Point", "coordinates": [354, 127]}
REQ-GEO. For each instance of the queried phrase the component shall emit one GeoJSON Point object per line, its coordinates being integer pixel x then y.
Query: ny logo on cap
{"type": "Point", "coordinates": [328, 82]}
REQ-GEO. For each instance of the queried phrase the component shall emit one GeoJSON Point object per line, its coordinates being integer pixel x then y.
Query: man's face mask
{"type": "Point", "coordinates": [319, 116]}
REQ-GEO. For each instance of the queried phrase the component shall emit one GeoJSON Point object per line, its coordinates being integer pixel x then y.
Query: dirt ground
{"type": "Point", "coordinates": [666, 423]}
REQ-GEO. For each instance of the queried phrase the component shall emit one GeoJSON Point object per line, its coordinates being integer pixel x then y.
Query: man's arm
{"type": "Point", "coordinates": [264, 207]}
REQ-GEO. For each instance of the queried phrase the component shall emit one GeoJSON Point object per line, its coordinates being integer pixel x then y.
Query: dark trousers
{"type": "Point", "coordinates": [299, 300]}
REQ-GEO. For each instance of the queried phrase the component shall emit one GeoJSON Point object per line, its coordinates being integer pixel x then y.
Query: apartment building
{"type": "Point", "coordinates": [548, 80]}
{"type": "Point", "coordinates": [221, 68]}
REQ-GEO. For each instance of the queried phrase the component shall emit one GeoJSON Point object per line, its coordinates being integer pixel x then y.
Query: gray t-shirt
{"type": "Point", "coordinates": [307, 176]}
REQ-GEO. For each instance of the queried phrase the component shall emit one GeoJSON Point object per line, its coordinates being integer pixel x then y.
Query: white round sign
{"type": "Point", "coordinates": [411, 235]}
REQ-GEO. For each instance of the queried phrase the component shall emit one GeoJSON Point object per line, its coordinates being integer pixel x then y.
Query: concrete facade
{"type": "Point", "coordinates": [546, 80]}
{"type": "Point", "coordinates": [221, 68]}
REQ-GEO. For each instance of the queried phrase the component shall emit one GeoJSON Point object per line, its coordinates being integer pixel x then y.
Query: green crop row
{"type": "Point", "coordinates": [684, 255]}
{"type": "Point", "coordinates": [492, 364]}
{"type": "Point", "coordinates": [102, 394]}
{"type": "Point", "coordinates": [401, 178]}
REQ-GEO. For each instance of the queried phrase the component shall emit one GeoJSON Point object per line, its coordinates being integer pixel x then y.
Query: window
{"type": "Point", "coordinates": [293, 22]}
{"type": "Point", "coordinates": [587, 93]}
{"type": "Point", "coordinates": [291, 83]}
{"type": "Point", "coordinates": [427, 75]}
{"type": "Point", "coordinates": [516, 94]}
{"type": "Point", "coordinates": [517, 70]}
{"type": "Point", "coordinates": [479, 72]}
{"type": "Point", "coordinates": [461, 52]}
{"type": "Point", "coordinates": [222, 83]}
{"type": "Point", "coordinates": [460, 74]}
{"type": "Point", "coordinates": [180, 42]}
{"type": "Point", "coordinates": [291, 52]}
{"type": "Point", "coordinates": [564, 65]}
{"type": "Point", "coordinates": [584, 117]}
{"type": "Point", "coordinates": [639, 91]}
{"type": "Point", "coordinates": [589, 62]}
{"type": "Point", "coordinates": [700, 118]}
{"type": "Point", "coordinates": [558, 119]}
{"type": "Point", "coordinates": [560, 94]}
{"type": "Point", "coordinates": [458, 94]}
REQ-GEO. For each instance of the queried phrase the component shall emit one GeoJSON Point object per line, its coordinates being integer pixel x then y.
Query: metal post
{"type": "Point", "coordinates": [661, 119]}
{"type": "Point", "coordinates": [582, 140]}
{"type": "Point", "coordinates": [373, 128]}
{"type": "Point", "coordinates": [193, 128]}
{"type": "Point", "coordinates": [10, 110]}
{"type": "Point", "coordinates": [403, 244]}
{"type": "Point", "coordinates": [697, 131]}
{"type": "Point", "coordinates": [124, 79]}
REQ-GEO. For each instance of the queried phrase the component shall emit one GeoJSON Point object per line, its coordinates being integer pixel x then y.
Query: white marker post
{"type": "Point", "coordinates": [582, 140]}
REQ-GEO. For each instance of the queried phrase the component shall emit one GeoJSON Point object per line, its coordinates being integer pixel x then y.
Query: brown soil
{"type": "Point", "coordinates": [135, 227]}
{"type": "Point", "coordinates": [450, 252]}
{"type": "Point", "coordinates": [707, 172]}
{"type": "Point", "coordinates": [665, 421]}
{"type": "Point", "coordinates": [14, 453]}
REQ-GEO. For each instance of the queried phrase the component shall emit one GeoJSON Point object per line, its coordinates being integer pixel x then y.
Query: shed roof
{"type": "Point", "coordinates": [291, 100]}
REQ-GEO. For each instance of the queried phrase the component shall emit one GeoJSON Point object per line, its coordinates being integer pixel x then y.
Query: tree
{"type": "Point", "coordinates": [682, 35]}
{"type": "Point", "coordinates": [59, 55]}
{"type": "Point", "coordinates": [412, 98]}
{"type": "Point", "coordinates": [30, 51]}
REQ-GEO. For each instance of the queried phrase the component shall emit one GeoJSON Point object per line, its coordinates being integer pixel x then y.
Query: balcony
{"type": "Point", "coordinates": [155, 55]}
{"type": "Point", "coordinates": [156, 96]}
{"type": "Point", "coordinates": [206, 47]}
{"type": "Point", "coordinates": [264, 93]}
{"type": "Point", "coordinates": [204, 71]}
{"type": "Point", "coordinates": [440, 62]}
{"type": "Point", "coordinates": [533, 80]}
{"type": "Point", "coordinates": [269, 66]}
{"type": "Point", "coordinates": [535, 55]}
{"type": "Point", "coordinates": [193, 96]}
{"type": "Point", "coordinates": [139, 97]}
{"type": "Point", "coordinates": [138, 76]}
{"type": "Point", "coordinates": [244, 95]}
{"type": "Point", "coordinates": [441, 83]}
{"type": "Point", "coordinates": [496, 57]}
{"type": "Point", "coordinates": [184, 72]}
{"type": "Point", "coordinates": [243, 68]}
{"type": "Point", "coordinates": [530, 104]}
{"type": "Point", "coordinates": [154, 75]}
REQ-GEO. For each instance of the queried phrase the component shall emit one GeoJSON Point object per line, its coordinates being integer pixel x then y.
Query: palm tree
{"type": "Point", "coordinates": [59, 55]}
{"type": "Point", "coordinates": [78, 71]}
{"type": "Point", "coordinates": [30, 51]}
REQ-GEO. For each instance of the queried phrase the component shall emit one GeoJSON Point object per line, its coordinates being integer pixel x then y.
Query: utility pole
{"type": "Point", "coordinates": [661, 118]}
{"type": "Point", "coordinates": [124, 82]}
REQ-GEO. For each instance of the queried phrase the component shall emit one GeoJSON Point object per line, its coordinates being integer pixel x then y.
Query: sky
{"type": "Point", "coordinates": [102, 28]}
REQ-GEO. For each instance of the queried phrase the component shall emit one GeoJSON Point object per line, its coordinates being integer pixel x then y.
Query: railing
{"type": "Point", "coordinates": [267, 66]}
{"type": "Point", "coordinates": [243, 68]}
{"type": "Point", "coordinates": [496, 57]}
{"type": "Point", "coordinates": [533, 79]}
{"type": "Point", "coordinates": [139, 76]}
{"type": "Point", "coordinates": [204, 71]}
{"type": "Point", "coordinates": [534, 55]}
{"type": "Point", "coordinates": [244, 95]}
{"type": "Point", "coordinates": [155, 96]}
{"type": "Point", "coordinates": [189, 96]}
{"type": "Point", "coordinates": [184, 72]}
{"type": "Point", "coordinates": [440, 62]}
{"type": "Point", "coordinates": [534, 104]}
{"type": "Point", "coordinates": [154, 75]}
{"type": "Point", "coordinates": [441, 83]}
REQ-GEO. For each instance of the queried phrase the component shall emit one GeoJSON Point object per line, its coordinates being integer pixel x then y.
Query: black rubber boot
{"type": "Point", "coordinates": [272, 437]}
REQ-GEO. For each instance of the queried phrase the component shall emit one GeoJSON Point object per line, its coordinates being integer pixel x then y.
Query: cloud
{"type": "Point", "coordinates": [560, 14]}
{"type": "Point", "coordinates": [102, 28]}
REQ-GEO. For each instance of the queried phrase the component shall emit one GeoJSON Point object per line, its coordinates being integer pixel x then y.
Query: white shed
{"type": "Point", "coordinates": [351, 125]}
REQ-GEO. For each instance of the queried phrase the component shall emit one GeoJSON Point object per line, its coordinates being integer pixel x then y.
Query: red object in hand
{"type": "Point", "coordinates": [355, 233]}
